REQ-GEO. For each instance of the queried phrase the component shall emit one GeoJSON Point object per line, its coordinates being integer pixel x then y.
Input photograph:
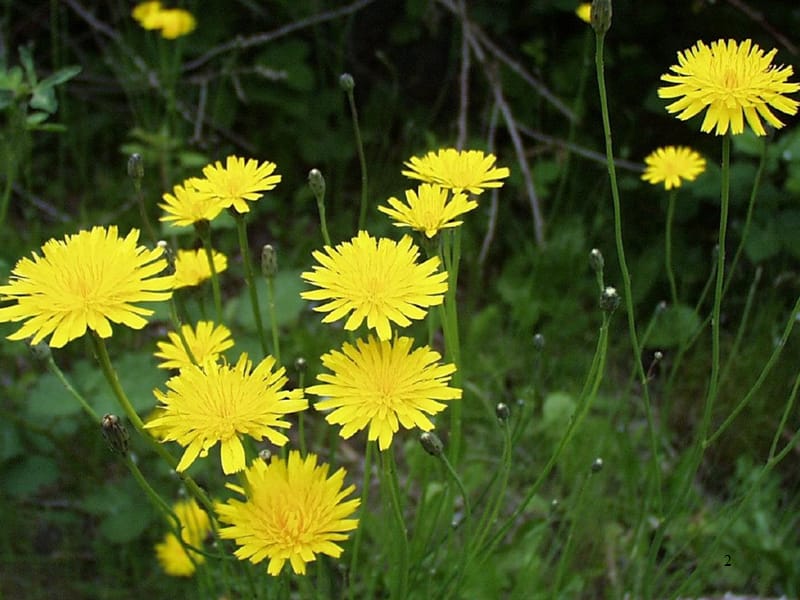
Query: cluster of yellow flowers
{"type": "Point", "coordinates": [171, 22]}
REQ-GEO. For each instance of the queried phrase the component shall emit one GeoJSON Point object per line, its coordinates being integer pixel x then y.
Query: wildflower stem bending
{"type": "Point", "coordinates": [391, 489]}
{"type": "Point", "coordinates": [244, 247]}
{"type": "Point", "coordinates": [348, 85]}
{"type": "Point", "coordinates": [623, 265]}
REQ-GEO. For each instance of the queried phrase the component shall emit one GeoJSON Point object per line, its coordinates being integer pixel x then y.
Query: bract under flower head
{"type": "Point", "coordinates": [732, 82]}
{"type": "Point", "coordinates": [85, 281]}
{"type": "Point", "coordinates": [429, 209]}
{"type": "Point", "coordinates": [375, 279]}
{"type": "Point", "coordinates": [293, 511]}
{"type": "Point", "coordinates": [670, 165]}
{"type": "Point", "coordinates": [238, 181]}
{"type": "Point", "coordinates": [221, 403]}
{"type": "Point", "coordinates": [460, 171]}
{"type": "Point", "coordinates": [383, 385]}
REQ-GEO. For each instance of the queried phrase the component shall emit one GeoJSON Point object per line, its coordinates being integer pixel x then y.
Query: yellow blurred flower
{"type": "Point", "coordinates": [171, 22]}
{"type": "Point", "coordinates": [429, 209]}
{"type": "Point", "coordinates": [732, 82]}
{"type": "Point", "coordinates": [206, 342]}
{"type": "Point", "coordinates": [86, 281]}
{"type": "Point", "coordinates": [584, 11]}
{"type": "Point", "coordinates": [670, 165]}
{"type": "Point", "coordinates": [293, 511]}
{"type": "Point", "coordinates": [192, 268]}
{"type": "Point", "coordinates": [195, 526]}
{"type": "Point", "coordinates": [383, 385]}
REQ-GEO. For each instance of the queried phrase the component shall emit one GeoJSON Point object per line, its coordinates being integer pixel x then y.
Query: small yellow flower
{"type": "Point", "coordinates": [584, 11]}
{"type": "Point", "coordinates": [428, 209]}
{"type": "Point", "coordinates": [176, 22]}
{"type": "Point", "coordinates": [383, 385]}
{"type": "Point", "coordinates": [195, 526]}
{"type": "Point", "coordinates": [238, 181]}
{"type": "Point", "coordinates": [187, 206]}
{"type": "Point", "coordinates": [192, 268]}
{"type": "Point", "coordinates": [670, 165]}
{"type": "Point", "coordinates": [375, 279]}
{"type": "Point", "coordinates": [206, 342]}
{"type": "Point", "coordinates": [732, 83]}
{"type": "Point", "coordinates": [144, 13]}
{"type": "Point", "coordinates": [86, 281]}
{"type": "Point", "coordinates": [293, 511]}
{"type": "Point", "coordinates": [460, 171]}
{"type": "Point", "coordinates": [221, 403]}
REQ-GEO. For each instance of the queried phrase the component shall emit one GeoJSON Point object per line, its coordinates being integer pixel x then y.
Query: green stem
{"type": "Point", "coordinates": [400, 539]}
{"type": "Point", "coordinates": [101, 352]}
{"type": "Point", "coordinates": [786, 412]}
{"type": "Point", "coordinates": [451, 255]}
{"type": "Point", "coordinates": [276, 348]}
{"type": "Point", "coordinates": [363, 507]}
{"type": "Point", "coordinates": [244, 247]}
{"type": "Point", "coordinates": [362, 213]}
{"type": "Point", "coordinates": [205, 236]}
{"type": "Point", "coordinates": [737, 342]}
{"type": "Point", "coordinates": [673, 289]}
{"type": "Point", "coordinates": [626, 278]}
{"type": "Point", "coordinates": [55, 370]}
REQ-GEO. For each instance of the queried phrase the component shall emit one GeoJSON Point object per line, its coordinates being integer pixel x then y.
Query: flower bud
{"type": "Point", "coordinates": [609, 299]}
{"type": "Point", "coordinates": [265, 454]}
{"type": "Point", "coordinates": [300, 365]}
{"type": "Point", "coordinates": [346, 82]}
{"type": "Point", "coordinates": [596, 260]}
{"type": "Point", "coordinates": [269, 261]}
{"type": "Point", "coordinates": [41, 351]}
{"type": "Point", "coordinates": [115, 434]}
{"type": "Point", "coordinates": [538, 342]}
{"type": "Point", "coordinates": [502, 411]}
{"type": "Point", "coordinates": [317, 184]}
{"type": "Point", "coordinates": [169, 255]}
{"type": "Point", "coordinates": [136, 167]}
{"type": "Point", "coordinates": [600, 16]}
{"type": "Point", "coordinates": [597, 465]}
{"type": "Point", "coordinates": [431, 443]}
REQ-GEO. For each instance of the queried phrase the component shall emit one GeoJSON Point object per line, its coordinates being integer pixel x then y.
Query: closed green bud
{"type": "Point", "coordinates": [136, 167]}
{"type": "Point", "coordinates": [317, 184]}
{"type": "Point", "coordinates": [538, 342]}
{"type": "Point", "coordinates": [596, 260]}
{"type": "Point", "coordinates": [346, 82]}
{"type": "Point", "coordinates": [300, 365]}
{"type": "Point", "coordinates": [269, 261]}
{"type": "Point", "coordinates": [609, 299]}
{"type": "Point", "coordinates": [265, 454]}
{"type": "Point", "coordinates": [431, 443]}
{"type": "Point", "coordinates": [115, 434]}
{"type": "Point", "coordinates": [169, 255]}
{"type": "Point", "coordinates": [597, 465]}
{"type": "Point", "coordinates": [502, 411]}
{"type": "Point", "coordinates": [41, 351]}
{"type": "Point", "coordinates": [600, 16]}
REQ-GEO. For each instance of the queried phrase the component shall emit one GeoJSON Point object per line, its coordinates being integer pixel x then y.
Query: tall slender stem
{"type": "Point", "coordinates": [205, 236]}
{"type": "Point", "coordinates": [244, 247]}
{"type": "Point", "coordinates": [673, 289]}
{"type": "Point", "coordinates": [400, 539]}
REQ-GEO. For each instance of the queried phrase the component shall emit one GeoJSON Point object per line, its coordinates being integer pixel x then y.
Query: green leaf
{"type": "Point", "coordinates": [44, 99]}
{"type": "Point", "coordinates": [27, 63]}
{"type": "Point", "coordinates": [556, 412]}
{"type": "Point", "coordinates": [29, 475]}
{"type": "Point", "coordinates": [288, 304]}
{"type": "Point", "coordinates": [763, 242]}
{"type": "Point", "coordinates": [673, 326]}
{"type": "Point", "coordinates": [10, 445]}
{"type": "Point", "coordinates": [60, 76]}
{"type": "Point", "coordinates": [48, 399]}
{"type": "Point", "coordinates": [123, 508]}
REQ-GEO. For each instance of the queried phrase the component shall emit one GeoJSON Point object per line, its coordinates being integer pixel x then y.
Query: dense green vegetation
{"type": "Point", "coordinates": [607, 478]}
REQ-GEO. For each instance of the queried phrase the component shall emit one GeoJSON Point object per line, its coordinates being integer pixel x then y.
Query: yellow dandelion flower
{"type": "Point", "coordinates": [220, 403]}
{"type": "Point", "coordinates": [195, 526]}
{"type": "Point", "coordinates": [460, 171]}
{"type": "Point", "coordinates": [192, 268]}
{"type": "Point", "coordinates": [428, 209]}
{"type": "Point", "coordinates": [584, 12]}
{"type": "Point", "coordinates": [87, 280]}
{"type": "Point", "coordinates": [238, 181]}
{"type": "Point", "coordinates": [176, 22]}
{"type": "Point", "coordinates": [383, 385]}
{"type": "Point", "coordinates": [186, 206]}
{"type": "Point", "coordinates": [732, 82]}
{"type": "Point", "coordinates": [293, 511]}
{"type": "Point", "coordinates": [206, 341]}
{"type": "Point", "coordinates": [670, 165]}
{"type": "Point", "coordinates": [144, 13]}
{"type": "Point", "coordinates": [376, 279]}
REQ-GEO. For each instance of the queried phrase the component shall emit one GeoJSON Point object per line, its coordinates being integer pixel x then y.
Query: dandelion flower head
{"type": "Point", "coordinates": [374, 279]}
{"type": "Point", "coordinates": [206, 341]}
{"type": "Point", "coordinates": [171, 22]}
{"type": "Point", "coordinates": [293, 511]}
{"type": "Point", "coordinates": [460, 171]}
{"type": "Point", "coordinates": [192, 268]}
{"type": "Point", "coordinates": [584, 12]}
{"type": "Point", "coordinates": [85, 281]}
{"type": "Point", "coordinates": [238, 181]}
{"type": "Point", "coordinates": [671, 165]}
{"type": "Point", "coordinates": [429, 209]}
{"type": "Point", "coordinates": [195, 526]}
{"type": "Point", "coordinates": [383, 385]}
{"type": "Point", "coordinates": [221, 403]}
{"type": "Point", "coordinates": [186, 206]}
{"type": "Point", "coordinates": [732, 82]}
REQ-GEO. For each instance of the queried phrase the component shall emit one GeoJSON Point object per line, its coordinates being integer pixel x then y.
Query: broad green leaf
{"type": "Point", "coordinates": [27, 476]}
{"type": "Point", "coordinates": [672, 326]}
